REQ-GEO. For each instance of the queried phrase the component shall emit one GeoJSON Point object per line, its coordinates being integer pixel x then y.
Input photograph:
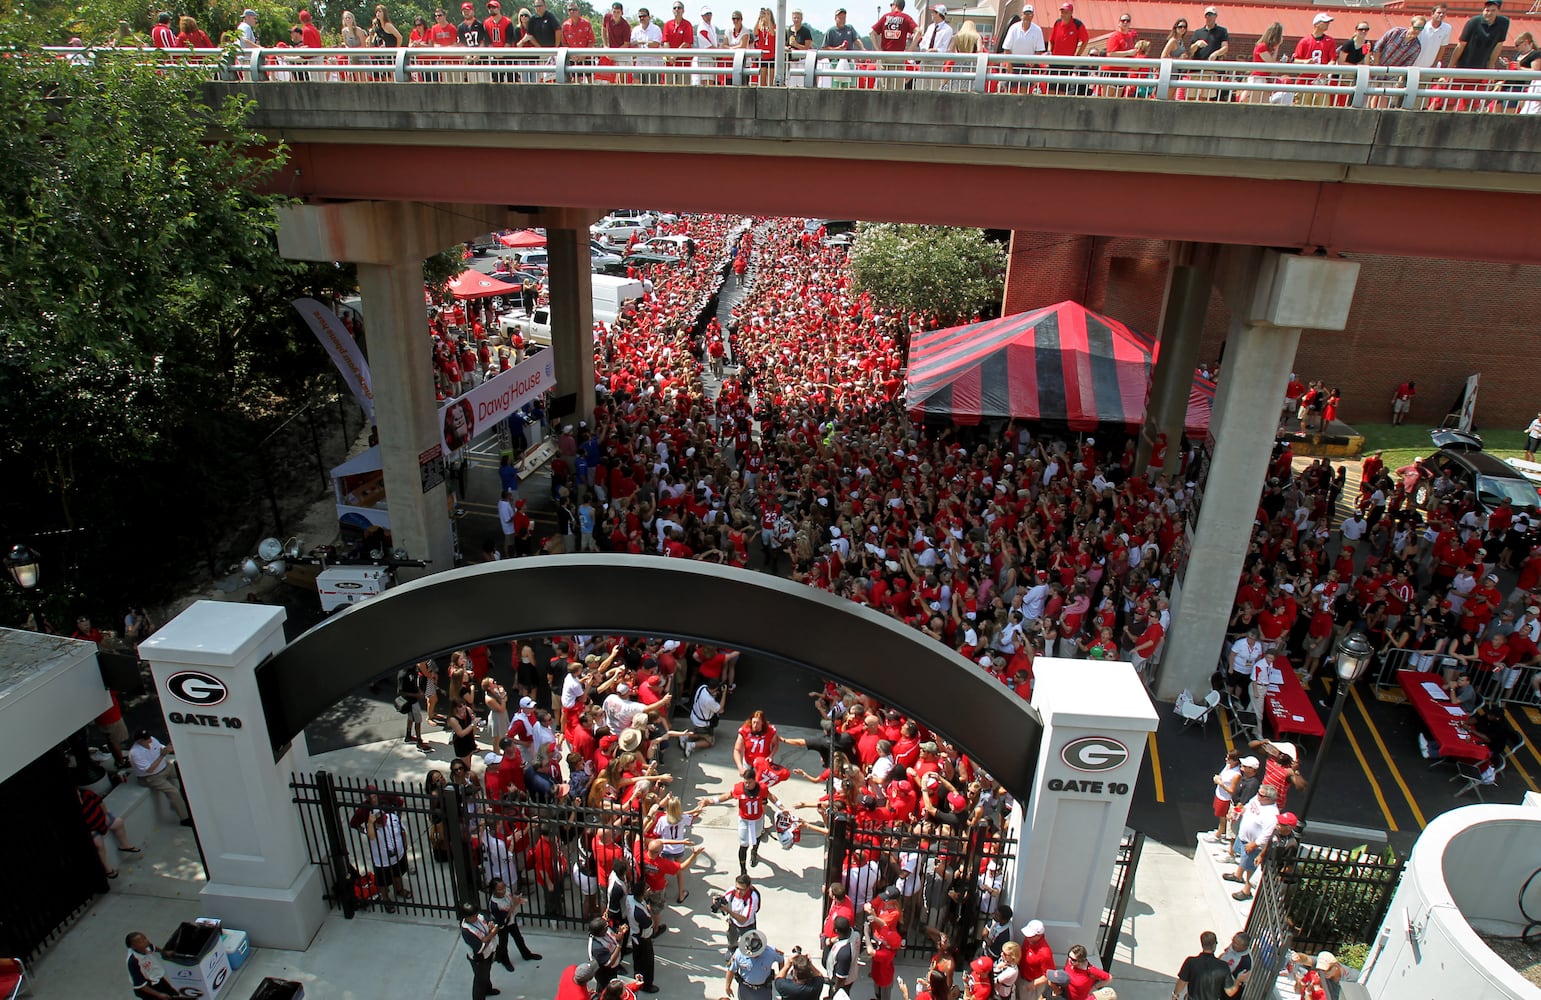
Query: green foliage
{"type": "Point", "coordinates": [951, 274]}
{"type": "Point", "coordinates": [146, 339]}
{"type": "Point", "coordinates": [1353, 955]}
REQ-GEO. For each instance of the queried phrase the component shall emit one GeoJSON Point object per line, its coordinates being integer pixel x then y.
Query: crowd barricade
{"type": "Point", "coordinates": [1507, 685]}
{"type": "Point", "coordinates": [1378, 87]}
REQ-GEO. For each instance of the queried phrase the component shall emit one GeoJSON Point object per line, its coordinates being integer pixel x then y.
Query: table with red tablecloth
{"type": "Point", "coordinates": [1290, 710]}
{"type": "Point", "coordinates": [1448, 729]}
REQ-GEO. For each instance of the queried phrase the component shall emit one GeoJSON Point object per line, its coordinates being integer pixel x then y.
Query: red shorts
{"type": "Point", "coordinates": [1221, 807]}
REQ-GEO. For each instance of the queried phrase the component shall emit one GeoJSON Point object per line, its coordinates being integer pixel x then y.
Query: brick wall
{"type": "Point", "coordinates": [1434, 321]}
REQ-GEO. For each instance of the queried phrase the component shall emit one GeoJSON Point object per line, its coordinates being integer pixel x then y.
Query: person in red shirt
{"type": "Point", "coordinates": [498, 28]}
{"type": "Point", "coordinates": [308, 32]}
{"type": "Point", "coordinates": [840, 905]}
{"type": "Point", "coordinates": [442, 33]}
{"type": "Point", "coordinates": [575, 982]}
{"type": "Point", "coordinates": [893, 31]}
{"type": "Point", "coordinates": [1402, 401]}
{"type": "Point", "coordinates": [161, 36]}
{"type": "Point", "coordinates": [1315, 49]}
{"type": "Point", "coordinates": [1068, 37]}
{"type": "Point", "coordinates": [751, 797]}
{"type": "Point", "coordinates": [1084, 977]}
{"type": "Point", "coordinates": [883, 944]}
{"type": "Point", "coordinates": [577, 30]}
{"type": "Point", "coordinates": [756, 741]}
{"type": "Point", "coordinates": [678, 33]}
{"type": "Point", "coordinates": [1037, 956]}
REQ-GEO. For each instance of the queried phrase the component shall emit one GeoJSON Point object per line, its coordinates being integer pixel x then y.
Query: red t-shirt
{"type": "Point", "coordinates": [445, 34]}
{"type": "Point", "coordinates": [894, 30]}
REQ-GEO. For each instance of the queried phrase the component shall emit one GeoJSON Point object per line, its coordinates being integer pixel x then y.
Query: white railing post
{"type": "Point", "coordinates": [1164, 81]}
{"type": "Point", "coordinates": [402, 76]}
{"type": "Point", "coordinates": [1414, 81]}
{"type": "Point", "coordinates": [740, 68]}
{"type": "Point", "coordinates": [254, 66]}
{"type": "Point", "coordinates": [561, 66]}
{"type": "Point", "coordinates": [982, 73]}
{"type": "Point", "coordinates": [1361, 85]}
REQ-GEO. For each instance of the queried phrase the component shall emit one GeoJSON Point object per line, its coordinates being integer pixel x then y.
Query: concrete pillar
{"type": "Point", "coordinates": [1273, 296]}
{"type": "Point", "coordinates": [1096, 717]}
{"type": "Point", "coordinates": [572, 321]}
{"type": "Point", "coordinates": [260, 876]}
{"type": "Point", "coordinates": [1189, 277]}
{"type": "Point", "coordinates": [406, 409]}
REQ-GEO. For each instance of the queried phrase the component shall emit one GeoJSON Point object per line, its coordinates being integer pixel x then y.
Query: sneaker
{"type": "Point", "coordinates": [754, 858]}
{"type": "Point", "coordinates": [690, 748]}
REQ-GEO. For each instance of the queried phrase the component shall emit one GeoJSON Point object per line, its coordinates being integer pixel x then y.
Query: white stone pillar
{"type": "Point", "coordinates": [1096, 716]}
{"type": "Point", "coordinates": [1189, 278]}
{"type": "Point", "coordinates": [572, 318]}
{"type": "Point", "coordinates": [260, 876]}
{"type": "Point", "coordinates": [1273, 296]}
{"type": "Point", "coordinates": [406, 409]}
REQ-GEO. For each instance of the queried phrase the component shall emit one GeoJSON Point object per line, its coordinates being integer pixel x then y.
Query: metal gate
{"type": "Point", "coordinates": [456, 844]}
{"type": "Point", "coordinates": [1315, 899]}
{"type": "Point", "coordinates": [951, 888]}
{"type": "Point", "coordinates": [1120, 891]}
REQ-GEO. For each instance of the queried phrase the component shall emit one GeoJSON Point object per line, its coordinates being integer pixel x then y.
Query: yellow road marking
{"type": "Point", "coordinates": [1396, 773]}
{"type": "Point", "coordinates": [1514, 758]}
{"type": "Point", "coordinates": [1364, 765]}
{"type": "Point", "coordinates": [1155, 767]}
{"type": "Point", "coordinates": [1225, 730]}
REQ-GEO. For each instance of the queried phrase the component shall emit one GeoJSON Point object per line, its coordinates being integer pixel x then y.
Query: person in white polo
{"type": "Point", "coordinates": [148, 759]}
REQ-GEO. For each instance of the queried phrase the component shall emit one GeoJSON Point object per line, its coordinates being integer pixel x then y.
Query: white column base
{"type": "Point", "coordinates": [272, 918]}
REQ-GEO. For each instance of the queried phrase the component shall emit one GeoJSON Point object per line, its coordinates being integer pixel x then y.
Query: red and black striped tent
{"type": "Point", "coordinates": [1062, 363]}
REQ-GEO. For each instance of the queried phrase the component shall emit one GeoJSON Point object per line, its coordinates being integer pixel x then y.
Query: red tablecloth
{"type": "Point", "coordinates": [1290, 709]}
{"type": "Point", "coordinates": [1448, 731]}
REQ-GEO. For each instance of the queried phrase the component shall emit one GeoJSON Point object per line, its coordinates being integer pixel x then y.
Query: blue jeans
{"type": "Point", "coordinates": [1245, 858]}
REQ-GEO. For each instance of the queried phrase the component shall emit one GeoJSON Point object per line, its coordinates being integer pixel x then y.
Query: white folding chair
{"type": "Point", "coordinates": [1477, 778]}
{"type": "Point", "coordinates": [1197, 713]}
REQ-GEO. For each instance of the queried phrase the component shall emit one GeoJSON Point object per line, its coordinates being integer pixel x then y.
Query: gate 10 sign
{"type": "Point", "coordinates": [1092, 755]}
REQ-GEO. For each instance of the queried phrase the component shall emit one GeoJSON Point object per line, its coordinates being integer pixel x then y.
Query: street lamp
{"type": "Point", "coordinates": [23, 565]}
{"type": "Point", "coordinates": [1354, 653]}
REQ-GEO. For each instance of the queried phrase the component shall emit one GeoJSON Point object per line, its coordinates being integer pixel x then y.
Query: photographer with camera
{"type": "Point", "coordinates": [753, 967]}
{"type": "Point", "coordinates": [741, 907]}
{"type": "Point", "coordinates": [799, 979]}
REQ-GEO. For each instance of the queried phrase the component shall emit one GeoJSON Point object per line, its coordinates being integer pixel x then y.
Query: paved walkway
{"type": "Point", "coordinates": [382, 957]}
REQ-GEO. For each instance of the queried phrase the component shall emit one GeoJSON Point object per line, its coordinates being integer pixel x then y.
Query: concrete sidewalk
{"type": "Point", "coordinates": [380, 957]}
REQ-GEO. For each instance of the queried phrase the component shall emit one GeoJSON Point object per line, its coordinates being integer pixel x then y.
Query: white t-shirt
{"type": "Point", "coordinates": [572, 690]}
{"type": "Point", "coordinates": [706, 36]}
{"type": "Point", "coordinates": [704, 708]}
{"type": "Point", "coordinates": [1026, 41]}
{"type": "Point", "coordinates": [147, 760]}
{"type": "Point", "coordinates": [248, 34]}
{"type": "Point", "coordinates": [1431, 40]}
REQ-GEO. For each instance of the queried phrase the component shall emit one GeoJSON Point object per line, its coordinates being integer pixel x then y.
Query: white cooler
{"type": "Point", "coordinates": [340, 586]}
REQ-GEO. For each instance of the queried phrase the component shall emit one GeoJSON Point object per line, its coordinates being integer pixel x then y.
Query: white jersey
{"type": "Point", "coordinates": [1026, 41]}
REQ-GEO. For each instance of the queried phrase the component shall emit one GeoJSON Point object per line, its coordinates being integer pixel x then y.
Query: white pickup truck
{"type": "Point", "coordinates": [609, 294]}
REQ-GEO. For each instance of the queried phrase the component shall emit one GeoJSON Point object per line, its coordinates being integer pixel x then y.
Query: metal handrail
{"type": "Point", "coordinates": [1381, 87]}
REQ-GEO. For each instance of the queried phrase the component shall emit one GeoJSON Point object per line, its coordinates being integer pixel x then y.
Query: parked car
{"type": "Point", "coordinates": [644, 258]}
{"type": "Point", "coordinates": [1489, 478]}
{"type": "Point", "coordinates": [613, 232]}
{"type": "Point", "coordinates": [603, 261]}
{"type": "Point", "coordinates": [670, 246]}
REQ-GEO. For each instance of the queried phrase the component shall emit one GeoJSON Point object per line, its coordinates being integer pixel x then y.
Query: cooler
{"type": "Point", "coordinates": [237, 948]}
{"type": "Point", "coordinates": [340, 586]}
{"type": "Point", "coordinates": [195, 963]}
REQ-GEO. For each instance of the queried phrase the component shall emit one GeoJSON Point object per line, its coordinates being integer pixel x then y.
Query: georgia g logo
{"type": "Point", "coordinates": [196, 688]}
{"type": "Point", "coordinates": [1094, 753]}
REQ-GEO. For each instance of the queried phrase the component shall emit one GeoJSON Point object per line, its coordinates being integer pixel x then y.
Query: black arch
{"type": "Point", "coordinates": [646, 595]}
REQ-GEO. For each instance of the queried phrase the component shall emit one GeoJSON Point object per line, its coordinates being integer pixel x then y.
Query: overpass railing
{"type": "Point", "coordinates": [1363, 86]}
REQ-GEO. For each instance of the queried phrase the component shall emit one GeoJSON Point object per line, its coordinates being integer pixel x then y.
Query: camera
{"type": "Point", "coordinates": [720, 905]}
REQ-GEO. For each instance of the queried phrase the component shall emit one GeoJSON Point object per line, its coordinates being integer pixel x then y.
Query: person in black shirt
{"type": "Point", "coordinates": [543, 26]}
{"type": "Point", "coordinates": [472, 34]}
{"type": "Point", "coordinates": [1204, 976]}
{"type": "Point", "coordinates": [1481, 39]}
{"type": "Point", "coordinates": [799, 979]}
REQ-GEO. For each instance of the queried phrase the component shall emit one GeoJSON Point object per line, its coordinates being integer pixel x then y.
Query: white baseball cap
{"type": "Point", "coordinates": [1322, 19]}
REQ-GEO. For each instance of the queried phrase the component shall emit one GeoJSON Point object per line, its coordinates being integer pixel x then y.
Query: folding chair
{"type": "Point", "coordinates": [1197, 713]}
{"type": "Point", "coordinates": [1242, 719]}
{"type": "Point", "coordinates": [1479, 777]}
{"type": "Point", "coordinates": [13, 978]}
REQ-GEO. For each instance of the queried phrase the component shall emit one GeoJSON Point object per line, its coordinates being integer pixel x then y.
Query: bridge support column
{"type": "Point", "coordinates": [1272, 296]}
{"type": "Point", "coordinates": [572, 321]}
{"type": "Point", "coordinates": [1096, 716]}
{"type": "Point", "coordinates": [1189, 277]}
{"type": "Point", "coordinates": [260, 876]}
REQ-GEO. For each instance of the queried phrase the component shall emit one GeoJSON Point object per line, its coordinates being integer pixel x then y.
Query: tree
{"type": "Point", "coordinates": [146, 339]}
{"type": "Point", "coordinates": [951, 274]}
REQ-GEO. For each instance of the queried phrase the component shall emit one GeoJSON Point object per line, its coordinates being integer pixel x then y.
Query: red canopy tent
{"type": "Point", "coordinates": [1058, 363]}
{"type": "Point", "coordinates": [522, 239]}
{"type": "Point", "coordinates": [476, 285]}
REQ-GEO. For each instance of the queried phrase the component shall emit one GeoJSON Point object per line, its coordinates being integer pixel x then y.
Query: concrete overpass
{"type": "Point", "coordinates": [1339, 178]}
{"type": "Point", "coordinates": [390, 172]}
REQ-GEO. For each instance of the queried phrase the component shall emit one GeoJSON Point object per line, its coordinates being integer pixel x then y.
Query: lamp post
{"type": "Point", "coordinates": [1354, 653]}
{"type": "Point", "coordinates": [26, 570]}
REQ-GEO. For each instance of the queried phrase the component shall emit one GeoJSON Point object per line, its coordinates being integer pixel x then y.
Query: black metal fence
{"type": "Point", "coordinates": [953, 888]}
{"type": "Point", "coordinates": [1120, 891]}
{"type": "Point", "coordinates": [1315, 899]}
{"type": "Point", "coordinates": [546, 850]}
